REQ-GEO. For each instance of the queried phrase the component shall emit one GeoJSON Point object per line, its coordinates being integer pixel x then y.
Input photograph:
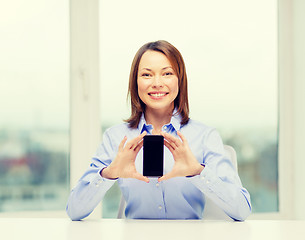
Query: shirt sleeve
{"type": "Point", "coordinates": [220, 182]}
{"type": "Point", "coordinates": [91, 187]}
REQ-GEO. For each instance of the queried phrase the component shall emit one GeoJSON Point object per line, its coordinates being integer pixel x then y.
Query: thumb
{"type": "Point", "coordinates": [166, 177]}
{"type": "Point", "coordinates": [141, 177]}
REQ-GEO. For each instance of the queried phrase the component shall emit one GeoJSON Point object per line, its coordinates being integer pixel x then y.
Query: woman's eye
{"type": "Point", "coordinates": [145, 75]}
{"type": "Point", "coordinates": [168, 73]}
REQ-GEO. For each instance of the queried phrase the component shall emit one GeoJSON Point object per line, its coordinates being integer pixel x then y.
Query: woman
{"type": "Point", "coordinates": [194, 161]}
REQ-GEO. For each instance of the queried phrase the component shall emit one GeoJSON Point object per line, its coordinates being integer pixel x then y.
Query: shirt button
{"type": "Point", "coordinates": [160, 207]}
{"type": "Point", "coordinates": [202, 177]}
{"type": "Point", "coordinates": [208, 181]}
{"type": "Point", "coordinates": [165, 127]}
{"type": "Point", "coordinates": [157, 184]}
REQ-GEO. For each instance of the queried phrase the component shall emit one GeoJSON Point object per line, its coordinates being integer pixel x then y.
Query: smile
{"type": "Point", "coordinates": [157, 95]}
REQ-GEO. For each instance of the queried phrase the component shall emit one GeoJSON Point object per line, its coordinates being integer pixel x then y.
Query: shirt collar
{"type": "Point", "coordinates": [175, 122]}
{"type": "Point", "coordinates": [142, 124]}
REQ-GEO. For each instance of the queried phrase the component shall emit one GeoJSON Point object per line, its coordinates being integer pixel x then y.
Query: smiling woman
{"type": "Point", "coordinates": [158, 77]}
{"type": "Point", "coordinates": [230, 52]}
{"type": "Point", "coordinates": [157, 82]}
{"type": "Point", "coordinates": [195, 164]}
{"type": "Point", "coordinates": [157, 87]}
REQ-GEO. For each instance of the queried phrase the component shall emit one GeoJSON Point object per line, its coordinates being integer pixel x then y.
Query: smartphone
{"type": "Point", "coordinates": [153, 146]}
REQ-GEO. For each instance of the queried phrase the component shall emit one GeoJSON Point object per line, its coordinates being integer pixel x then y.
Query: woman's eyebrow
{"type": "Point", "coordinates": [166, 67]}
{"type": "Point", "coordinates": [148, 69]}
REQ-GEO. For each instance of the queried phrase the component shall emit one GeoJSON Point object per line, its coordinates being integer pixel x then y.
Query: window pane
{"type": "Point", "coordinates": [230, 51]}
{"type": "Point", "coordinates": [34, 103]}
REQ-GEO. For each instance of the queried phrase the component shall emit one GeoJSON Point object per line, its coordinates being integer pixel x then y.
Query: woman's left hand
{"type": "Point", "coordinates": [185, 162]}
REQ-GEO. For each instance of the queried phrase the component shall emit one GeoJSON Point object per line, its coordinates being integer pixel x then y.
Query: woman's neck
{"type": "Point", "coordinates": [158, 119]}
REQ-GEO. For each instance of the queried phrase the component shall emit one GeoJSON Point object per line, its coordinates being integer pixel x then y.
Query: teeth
{"type": "Point", "coordinates": [157, 94]}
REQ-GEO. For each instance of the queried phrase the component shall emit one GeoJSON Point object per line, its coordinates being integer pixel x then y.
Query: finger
{"type": "Point", "coordinates": [141, 136]}
{"type": "Point", "coordinates": [140, 177]}
{"type": "Point", "coordinates": [169, 146]}
{"type": "Point", "coordinates": [132, 144]}
{"type": "Point", "coordinates": [171, 139]}
{"type": "Point", "coordinates": [181, 136]}
{"type": "Point", "coordinates": [139, 146]}
{"type": "Point", "coordinates": [139, 141]}
{"type": "Point", "coordinates": [121, 146]}
{"type": "Point", "coordinates": [166, 177]}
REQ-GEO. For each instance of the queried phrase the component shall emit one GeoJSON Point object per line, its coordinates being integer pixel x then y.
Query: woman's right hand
{"type": "Point", "coordinates": [123, 166]}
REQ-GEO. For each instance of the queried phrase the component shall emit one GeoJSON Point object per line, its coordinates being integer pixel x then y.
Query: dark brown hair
{"type": "Point", "coordinates": [176, 60]}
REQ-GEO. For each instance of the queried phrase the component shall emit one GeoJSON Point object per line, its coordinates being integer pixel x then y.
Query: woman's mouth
{"type": "Point", "coordinates": [157, 95]}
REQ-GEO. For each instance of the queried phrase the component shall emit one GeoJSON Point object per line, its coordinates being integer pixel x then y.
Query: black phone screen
{"type": "Point", "coordinates": [153, 155]}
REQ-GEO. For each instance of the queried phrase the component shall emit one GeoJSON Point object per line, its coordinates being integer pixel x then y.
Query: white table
{"type": "Point", "coordinates": [112, 229]}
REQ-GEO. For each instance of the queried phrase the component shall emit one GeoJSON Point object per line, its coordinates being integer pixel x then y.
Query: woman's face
{"type": "Point", "coordinates": [157, 82]}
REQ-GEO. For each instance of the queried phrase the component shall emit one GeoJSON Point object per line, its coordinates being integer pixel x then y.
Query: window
{"type": "Point", "coordinates": [34, 103]}
{"type": "Point", "coordinates": [230, 51]}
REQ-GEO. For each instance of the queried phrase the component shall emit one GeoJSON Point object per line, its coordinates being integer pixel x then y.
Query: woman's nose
{"type": "Point", "coordinates": [157, 81]}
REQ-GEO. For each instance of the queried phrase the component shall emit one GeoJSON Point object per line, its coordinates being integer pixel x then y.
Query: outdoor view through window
{"type": "Point", "coordinates": [230, 51]}
{"type": "Point", "coordinates": [34, 105]}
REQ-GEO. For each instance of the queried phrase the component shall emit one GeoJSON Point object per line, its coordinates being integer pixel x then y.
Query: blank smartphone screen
{"type": "Point", "coordinates": [153, 155]}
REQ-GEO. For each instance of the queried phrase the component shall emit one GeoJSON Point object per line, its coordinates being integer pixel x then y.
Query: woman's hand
{"type": "Point", "coordinates": [185, 162]}
{"type": "Point", "coordinates": [123, 166]}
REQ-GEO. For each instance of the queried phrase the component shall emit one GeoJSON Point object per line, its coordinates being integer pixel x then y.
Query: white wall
{"type": "Point", "coordinates": [298, 128]}
{"type": "Point", "coordinates": [292, 106]}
